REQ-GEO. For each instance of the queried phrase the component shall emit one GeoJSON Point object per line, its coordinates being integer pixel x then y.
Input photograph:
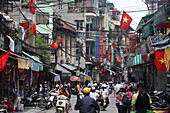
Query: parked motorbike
{"type": "Point", "coordinates": [31, 100]}
{"type": "Point", "coordinates": [62, 104]}
{"type": "Point", "coordinates": [45, 101]}
{"type": "Point", "coordinates": [53, 99]}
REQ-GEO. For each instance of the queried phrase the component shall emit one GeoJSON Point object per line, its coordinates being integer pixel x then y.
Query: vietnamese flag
{"type": "Point", "coordinates": [159, 60]}
{"type": "Point", "coordinates": [3, 59]}
{"type": "Point", "coordinates": [119, 59]}
{"type": "Point", "coordinates": [125, 21]}
{"type": "Point", "coordinates": [31, 6]}
{"type": "Point", "coordinates": [56, 44]}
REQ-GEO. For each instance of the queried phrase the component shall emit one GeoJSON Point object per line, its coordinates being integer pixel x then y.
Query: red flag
{"type": "Point", "coordinates": [33, 28]}
{"type": "Point", "coordinates": [56, 44]}
{"type": "Point", "coordinates": [119, 59]}
{"type": "Point", "coordinates": [3, 60]}
{"type": "Point", "coordinates": [26, 26]}
{"type": "Point", "coordinates": [125, 21]}
{"type": "Point", "coordinates": [31, 6]}
{"type": "Point", "coordinates": [159, 60]}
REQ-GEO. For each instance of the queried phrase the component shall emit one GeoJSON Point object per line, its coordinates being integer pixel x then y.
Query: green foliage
{"type": "Point", "coordinates": [40, 42]}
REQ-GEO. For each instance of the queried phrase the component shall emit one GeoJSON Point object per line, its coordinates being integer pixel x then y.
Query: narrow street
{"type": "Point", "coordinates": [111, 109]}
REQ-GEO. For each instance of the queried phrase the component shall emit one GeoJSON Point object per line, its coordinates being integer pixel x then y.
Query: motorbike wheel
{"type": "Point", "coordinates": [41, 104]}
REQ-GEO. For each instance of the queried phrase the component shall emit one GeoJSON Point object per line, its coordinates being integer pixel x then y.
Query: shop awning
{"type": "Point", "coordinates": [57, 76]}
{"type": "Point", "coordinates": [36, 60]}
{"type": "Point", "coordinates": [163, 42]}
{"type": "Point", "coordinates": [63, 70]}
{"type": "Point", "coordinates": [68, 67]}
{"type": "Point", "coordinates": [137, 59]}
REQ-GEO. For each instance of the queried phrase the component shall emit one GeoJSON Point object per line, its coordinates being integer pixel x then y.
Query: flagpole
{"type": "Point", "coordinates": [20, 6]}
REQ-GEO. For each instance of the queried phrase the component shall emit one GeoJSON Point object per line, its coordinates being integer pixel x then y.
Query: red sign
{"type": "Point", "coordinates": [101, 46]}
{"type": "Point", "coordinates": [109, 52]}
{"type": "Point", "coordinates": [132, 44]}
{"type": "Point", "coordinates": [131, 36]}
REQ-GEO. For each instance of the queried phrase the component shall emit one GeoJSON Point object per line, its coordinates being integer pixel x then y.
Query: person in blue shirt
{"type": "Point", "coordinates": [87, 104]}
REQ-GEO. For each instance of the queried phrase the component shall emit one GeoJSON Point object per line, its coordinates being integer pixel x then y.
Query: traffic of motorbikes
{"type": "Point", "coordinates": [100, 92]}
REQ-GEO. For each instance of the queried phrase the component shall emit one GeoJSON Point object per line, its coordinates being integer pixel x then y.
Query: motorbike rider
{"type": "Point", "coordinates": [56, 90]}
{"type": "Point", "coordinates": [93, 94]}
{"type": "Point", "coordinates": [87, 104]}
{"type": "Point", "coordinates": [104, 92]}
{"type": "Point", "coordinates": [63, 91]}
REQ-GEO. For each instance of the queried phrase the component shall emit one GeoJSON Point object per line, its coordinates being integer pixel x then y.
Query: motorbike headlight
{"type": "Point", "coordinates": [60, 103]}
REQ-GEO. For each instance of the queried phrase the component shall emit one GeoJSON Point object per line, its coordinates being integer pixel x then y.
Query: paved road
{"type": "Point", "coordinates": [110, 109]}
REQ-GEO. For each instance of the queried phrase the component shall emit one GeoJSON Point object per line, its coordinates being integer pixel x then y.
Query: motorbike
{"type": "Point", "coordinates": [45, 101]}
{"type": "Point", "coordinates": [104, 102]}
{"type": "Point", "coordinates": [53, 99]}
{"type": "Point", "coordinates": [31, 100]}
{"type": "Point", "coordinates": [62, 104]}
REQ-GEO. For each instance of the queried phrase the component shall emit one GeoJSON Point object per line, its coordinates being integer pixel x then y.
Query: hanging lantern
{"type": "Point", "coordinates": [104, 70]}
{"type": "Point", "coordinates": [113, 44]}
{"type": "Point", "coordinates": [7, 69]}
{"type": "Point", "coordinates": [95, 68]}
{"type": "Point", "coordinates": [101, 70]}
{"type": "Point", "coordinates": [98, 68]}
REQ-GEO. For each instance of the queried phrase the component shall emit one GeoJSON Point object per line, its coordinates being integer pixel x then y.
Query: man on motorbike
{"type": "Point", "coordinates": [93, 94]}
{"type": "Point", "coordinates": [87, 104]}
{"type": "Point", "coordinates": [104, 93]}
{"type": "Point", "coordinates": [56, 90]}
{"type": "Point", "coordinates": [63, 91]}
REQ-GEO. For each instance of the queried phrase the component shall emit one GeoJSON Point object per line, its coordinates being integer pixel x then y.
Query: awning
{"type": "Point", "coordinates": [91, 14]}
{"type": "Point", "coordinates": [57, 76]}
{"type": "Point", "coordinates": [63, 70]}
{"type": "Point", "coordinates": [137, 59]}
{"type": "Point", "coordinates": [163, 42]}
{"type": "Point", "coordinates": [36, 60]}
{"type": "Point", "coordinates": [68, 67]}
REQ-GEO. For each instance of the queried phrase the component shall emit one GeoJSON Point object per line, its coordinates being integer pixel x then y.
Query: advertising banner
{"type": "Point", "coordinates": [101, 46]}
{"type": "Point", "coordinates": [97, 47]}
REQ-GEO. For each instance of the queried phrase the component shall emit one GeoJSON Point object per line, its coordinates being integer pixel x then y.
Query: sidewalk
{"type": "Point", "coordinates": [31, 110]}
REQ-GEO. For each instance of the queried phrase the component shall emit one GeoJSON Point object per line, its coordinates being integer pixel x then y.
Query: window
{"type": "Point", "coordinates": [44, 16]}
{"type": "Point", "coordinates": [46, 37]}
{"type": "Point", "coordinates": [79, 24]}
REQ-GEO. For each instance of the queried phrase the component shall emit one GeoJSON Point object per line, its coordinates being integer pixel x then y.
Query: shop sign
{"type": "Point", "coordinates": [52, 58]}
{"type": "Point", "coordinates": [23, 64]}
{"type": "Point", "coordinates": [160, 16]}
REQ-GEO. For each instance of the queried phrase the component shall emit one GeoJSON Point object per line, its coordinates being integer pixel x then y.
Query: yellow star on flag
{"type": "Point", "coordinates": [162, 61]}
{"type": "Point", "coordinates": [56, 44]}
{"type": "Point", "coordinates": [125, 19]}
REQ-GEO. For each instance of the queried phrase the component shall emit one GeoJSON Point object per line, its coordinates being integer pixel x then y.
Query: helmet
{"type": "Point", "coordinates": [104, 86]}
{"type": "Point", "coordinates": [93, 88]}
{"type": "Point", "coordinates": [65, 85]}
{"type": "Point", "coordinates": [57, 86]}
{"type": "Point", "coordinates": [86, 90]}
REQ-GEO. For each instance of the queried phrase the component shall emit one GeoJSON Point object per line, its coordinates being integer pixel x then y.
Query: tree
{"type": "Point", "coordinates": [40, 42]}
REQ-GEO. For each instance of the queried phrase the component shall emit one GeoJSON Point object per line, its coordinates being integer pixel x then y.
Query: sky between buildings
{"type": "Point", "coordinates": [130, 6]}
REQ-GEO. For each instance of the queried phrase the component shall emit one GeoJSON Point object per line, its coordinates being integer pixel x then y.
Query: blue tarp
{"type": "Point", "coordinates": [161, 42]}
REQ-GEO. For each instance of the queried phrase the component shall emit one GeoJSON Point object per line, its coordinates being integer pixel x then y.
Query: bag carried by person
{"type": "Point", "coordinates": [126, 101]}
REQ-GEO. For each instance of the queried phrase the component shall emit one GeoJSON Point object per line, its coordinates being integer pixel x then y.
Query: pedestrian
{"type": "Point", "coordinates": [87, 104]}
{"type": "Point", "coordinates": [141, 101]}
{"type": "Point", "coordinates": [119, 99]}
{"type": "Point", "coordinates": [117, 88]}
{"type": "Point", "coordinates": [78, 91]}
{"type": "Point", "coordinates": [17, 100]}
{"type": "Point", "coordinates": [69, 91]}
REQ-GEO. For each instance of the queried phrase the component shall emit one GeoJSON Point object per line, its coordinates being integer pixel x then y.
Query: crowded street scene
{"type": "Point", "coordinates": [84, 56]}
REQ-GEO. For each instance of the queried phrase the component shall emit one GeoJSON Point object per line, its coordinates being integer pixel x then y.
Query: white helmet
{"type": "Point", "coordinates": [104, 85]}
{"type": "Point", "coordinates": [57, 86]}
